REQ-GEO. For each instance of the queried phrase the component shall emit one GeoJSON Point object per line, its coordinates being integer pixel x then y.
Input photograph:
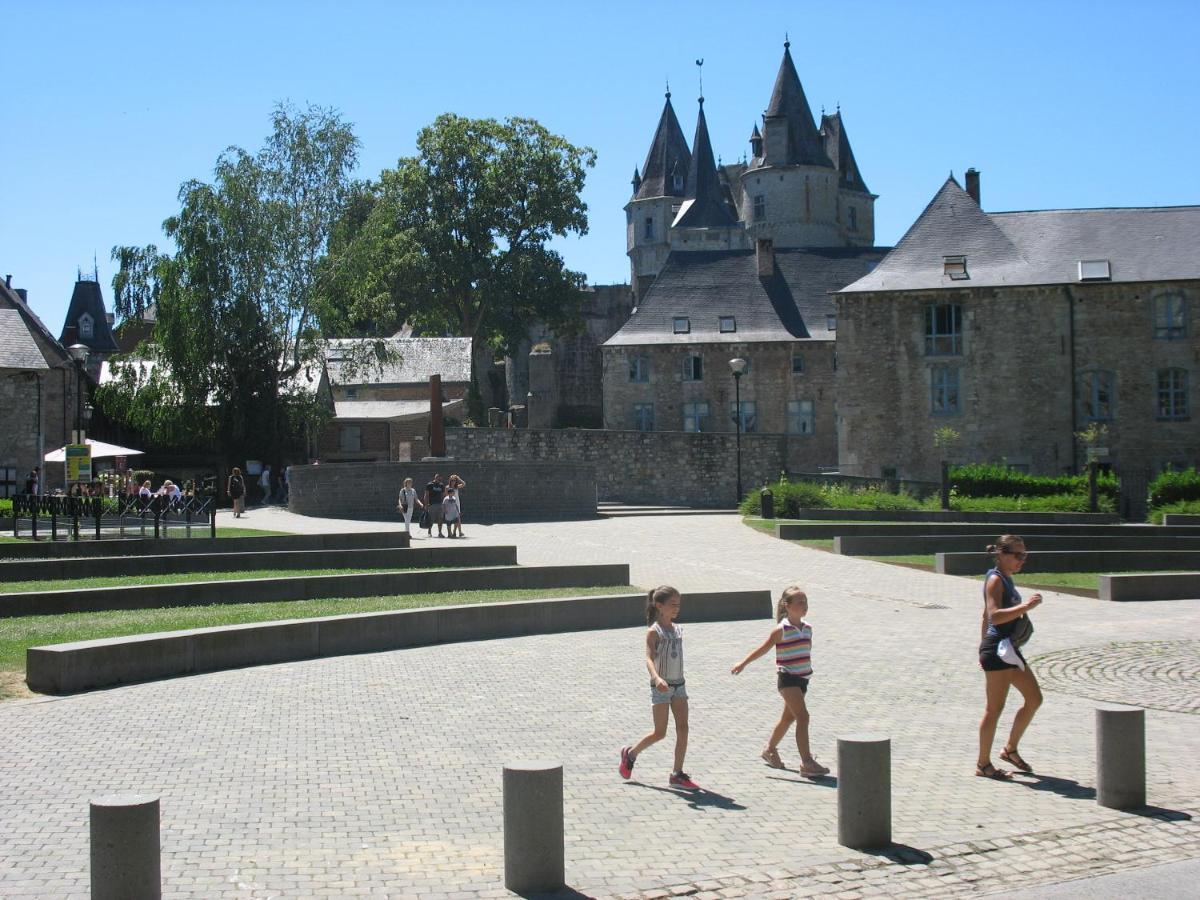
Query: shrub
{"type": "Point", "coordinates": [991, 480]}
{"type": "Point", "coordinates": [1191, 507]}
{"type": "Point", "coordinates": [792, 497]}
{"type": "Point", "coordinates": [1175, 487]}
{"type": "Point", "coordinates": [5, 507]}
{"type": "Point", "coordinates": [1048, 503]}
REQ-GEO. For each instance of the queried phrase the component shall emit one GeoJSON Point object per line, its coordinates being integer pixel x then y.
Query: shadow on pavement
{"type": "Point", "coordinates": [1158, 812]}
{"type": "Point", "coordinates": [829, 781]}
{"type": "Point", "coordinates": [696, 799]}
{"type": "Point", "coordinates": [567, 893]}
{"type": "Point", "coordinates": [1064, 787]}
{"type": "Point", "coordinates": [902, 855]}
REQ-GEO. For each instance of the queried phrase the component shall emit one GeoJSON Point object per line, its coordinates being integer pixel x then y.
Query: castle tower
{"type": "Point", "coordinates": [856, 204]}
{"type": "Point", "coordinates": [790, 188]}
{"type": "Point", "coordinates": [706, 220]}
{"type": "Point", "coordinates": [658, 194]}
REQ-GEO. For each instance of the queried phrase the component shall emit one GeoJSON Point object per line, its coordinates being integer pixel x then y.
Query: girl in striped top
{"type": "Point", "coordinates": [792, 640]}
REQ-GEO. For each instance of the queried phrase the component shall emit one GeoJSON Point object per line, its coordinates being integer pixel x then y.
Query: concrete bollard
{"type": "Point", "coordinates": [126, 859]}
{"type": "Point", "coordinates": [533, 827]}
{"type": "Point", "coordinates": [864, 791]}
{"type": "Point", "coordinates": [1120, 757]}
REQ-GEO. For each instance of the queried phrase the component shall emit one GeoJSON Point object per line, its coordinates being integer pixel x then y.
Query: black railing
{"type": "Point", "coordinates": [154, 516]}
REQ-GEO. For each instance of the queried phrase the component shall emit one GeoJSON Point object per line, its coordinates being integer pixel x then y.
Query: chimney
{"type": "Point", "coordinates": [973, 184]}
{"type": "Point", "coordinates": [8, 281]}
{"type": "Point", "coordinates": [24, 295]}
{"type": "Point", "coordinates": [764, 252]}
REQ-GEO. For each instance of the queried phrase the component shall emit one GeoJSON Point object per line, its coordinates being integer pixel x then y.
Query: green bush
{"type": "Point", "coordinates": [1174, 487]}
{"type": "Point", "coordinates": [1192, 507]}
{"type": "Point", "coordinates": [792, 497]}
{"type": "Point", "coordinates": [1049, 503]}
{"type": "Point", "coordinates": [991, 480]}
{"type": "Point", "coordinates": [5, 507]}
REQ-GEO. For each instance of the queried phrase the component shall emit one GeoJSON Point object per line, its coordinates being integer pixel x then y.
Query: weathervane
{"type": "Point", "coordinates": [700, 66]}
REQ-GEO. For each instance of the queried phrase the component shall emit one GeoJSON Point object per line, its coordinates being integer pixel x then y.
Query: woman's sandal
{"type": "Point", "coordinates": [987, 770]}
{"type": "Point", "coordinates": [815, 772]}
{"type": "Point", "coordinates": [771, 757]}
{"type": "Point", "coordinates": [1013, 758]}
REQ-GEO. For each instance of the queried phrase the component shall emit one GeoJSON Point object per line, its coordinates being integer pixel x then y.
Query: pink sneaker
{"type": "Point", "coordinates": [627, 761]}
{"type": "Point", "coordinates": [683, 780]}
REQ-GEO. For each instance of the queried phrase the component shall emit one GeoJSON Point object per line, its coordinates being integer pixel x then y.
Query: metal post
{"type": "Point", "coordinates": [533, 827]}
{"type": "Point", "coordinates": [76, 506]}
{"type": "Point", "coordinates": [1093, 504]}
{"type": "Point", "coordinates": [33, 511]}
{"type": "Point", "coordinates": [157, 515]}
{"type": "Point", "coordinates": [212, 516]}
{"type": "Point", "coordinates": [945, 484]}
{"type": "Point", "coordinates": [737, 390]}
{"type": "Point", "coordinates": [98, 509]}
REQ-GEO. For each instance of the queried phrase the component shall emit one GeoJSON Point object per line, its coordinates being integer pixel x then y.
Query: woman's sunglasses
{"type": "Point", "coordinates": [1019, 554]}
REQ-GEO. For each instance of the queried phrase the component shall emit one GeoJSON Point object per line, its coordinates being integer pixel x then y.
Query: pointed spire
{"type": "Point", "coordinates": [837, 147]}
{"type": "Point", "coordinates": [789, 105]}
{"type": "Point", "coordinates": [706, 206]}
{"type": "Point", "coordinates": [637, 180]}
{"type": "Point", "coordinates": [668, 155]}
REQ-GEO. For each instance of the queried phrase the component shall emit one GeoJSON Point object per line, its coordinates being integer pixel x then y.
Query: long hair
{"type": "Point", "coordinates": [660, 594]}
{"type": "Point", "coordinates": [1005, 543]}
{"type": "Point", "coordinates": [787, 595]}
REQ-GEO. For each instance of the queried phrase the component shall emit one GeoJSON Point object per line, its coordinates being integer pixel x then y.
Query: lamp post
{"type": "Point", "coordinates": [737, 366]}
{"type": "Point", "coordinates": [79, 353]}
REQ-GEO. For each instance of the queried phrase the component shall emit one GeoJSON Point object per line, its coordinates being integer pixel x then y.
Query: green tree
{"type": "Point", "coordinates": [455, 240]}
{"type": "Point", "coordinates": [236, 322]}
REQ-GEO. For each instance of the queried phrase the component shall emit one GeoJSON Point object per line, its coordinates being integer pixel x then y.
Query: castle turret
{"type": "Point", "coordinates": [707, 219]}
{"type": "Point", "coordinates": [856, 203]}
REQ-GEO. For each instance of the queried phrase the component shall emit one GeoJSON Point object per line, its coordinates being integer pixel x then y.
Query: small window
{"type": "Point", "coordinates": [943, 388]}
{"type": "Point", "coordinates": [85, 326]}
{"type": "Point", "coordinates": [1169, 317]}
{"type": "Point", "coordinates": [831, 322]}
{"type": "Point", "coordinates": [726, 324]}
{"type": "Point", "coordinates": [351, 393]}
{"type": "Point", "coordinates": [693, 367]}
{"type": "Point", "coordinates": [748, 416]}
{"type": "Point", "coordinates": [695, 416]}
{"type": "Point", "coordinates": [943, 329]}
{"type": "Point", "coordinates": [800, 416]}
{"type": "Point", "coordinates": [675, 207]}
{"type": "Point", "coordinates": [1095, 270]}
{"type": "Point", "coordinates": [1098, 396]}
{"type": "Point", "coordinates": [350, 439]}
{"type": "Point", "coordinates": [849, 176]}
{"type": "Point", "coordinates": [643, 416]}
{"type": "Point", "coordinates": [955, 268]}
{"type": "Point", "coordinates": [648, 228]}
{"type": "Point", "coordinates": [677, 182]}
{"type": "Point", "coordinates": [681, 325]}
{"type": "Point", "coordinates": [797, 364]}
{"type": "Point", "coordinates": [1173, 394]}
{"type": "Point", "coordinates": [639, 369]}
{"type": "Point", "coordinates": [853, 219]}
{"type": "Point", "coordinates": [760, 207]}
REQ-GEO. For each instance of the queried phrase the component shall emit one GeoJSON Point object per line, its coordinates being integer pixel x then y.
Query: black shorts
{"type": "Point", "coordinates": [990, 661]}
{"type": "Point", "coordinates": [788, 680]}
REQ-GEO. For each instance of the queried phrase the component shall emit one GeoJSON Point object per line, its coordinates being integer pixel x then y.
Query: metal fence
{"type": "Point", "coordinates": [40, 517]}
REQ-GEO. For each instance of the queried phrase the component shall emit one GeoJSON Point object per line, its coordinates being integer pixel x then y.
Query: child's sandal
{"type": "Point", "coordinates": [771, 758]}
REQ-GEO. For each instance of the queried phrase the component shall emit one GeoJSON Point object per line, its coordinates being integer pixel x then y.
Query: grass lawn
{"type": "Point", "coordinates": [16, 635]}
{"type": "Point", "coordinates": [25, 587]}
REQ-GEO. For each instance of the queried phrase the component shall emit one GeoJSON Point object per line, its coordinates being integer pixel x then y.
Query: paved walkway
{"type": "Point", "coordinates": [379, 774]}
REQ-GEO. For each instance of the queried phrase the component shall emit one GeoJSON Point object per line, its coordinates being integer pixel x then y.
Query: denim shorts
{"type": "Point", "coordinates": [673, 692]}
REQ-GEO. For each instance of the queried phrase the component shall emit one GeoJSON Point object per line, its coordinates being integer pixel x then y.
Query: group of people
{"type": "Point", "coordinates": [273, 487]}
{"type": "Point", "coordinates": [1005, 628]}
{"type": "Point", "coordinates": [440, 505]}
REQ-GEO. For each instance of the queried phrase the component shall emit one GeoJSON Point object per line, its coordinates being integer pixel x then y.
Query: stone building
{"type": "Point", "coordinates": [89, 322]}
{"type": "Point", "coordinates": [1018, 329]}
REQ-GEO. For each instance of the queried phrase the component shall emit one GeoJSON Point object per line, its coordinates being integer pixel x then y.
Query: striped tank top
{"type": "Point", "coordinates": [668, 655]}
{"type": "Point", "coordinates": [793, 653]}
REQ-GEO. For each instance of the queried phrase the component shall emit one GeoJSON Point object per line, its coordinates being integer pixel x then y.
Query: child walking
{"type": "Point", "coordinates": [792, 640]}
{"type": "Point", "coordinates": [668, 695]}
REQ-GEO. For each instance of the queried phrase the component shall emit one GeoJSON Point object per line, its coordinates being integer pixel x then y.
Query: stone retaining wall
{"type": "Point", "coordinates": [1151, 586]}
{"type": "Point", "coordinates": [1075, 561]}
{"type": "Point", "coordinates": [45, 549]}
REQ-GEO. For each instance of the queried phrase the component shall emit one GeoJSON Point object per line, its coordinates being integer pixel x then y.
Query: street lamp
{"type": "Point", "coordinates": [79, 353]}
{"type": "Point", "coordinates": [737, 366]}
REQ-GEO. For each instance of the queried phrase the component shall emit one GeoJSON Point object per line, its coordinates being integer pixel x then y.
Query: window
{"type": "Point", "coordinates": [85, 326]}
{"type": "Point", "coordinates": [693, 367]}
{"type": "Point", "coordinates": [648, 228]}
{"type": "Point", "coordinates": [1172, 394]}
{"type": "Point", "coordinates": [748, 417]}
{"type": "Point", "coordinates": [1094, 270]}
{"type": "Point", "coordinates": [1169, 324]}
{"type": "Point", "coordinates": [677, 182]}
{"type": "Point", "coordinates": [853, 219]}
{"type": "Point", "coordinates": [800, 416]}
{"type": "Point", "coordinates": [760, 207]}
{"type": "Point", "coordinates": [681, 325]}
{"type": "Point", "coordinates": [797, 364]}
{"type": "Point", "coordinates": [726, 324]}
{"type": "Point", "coordinates": [350, 439]}
{"type": "Point", "coordinates": [943, 329]}
{"type": "Point", "coordinates": [695, 416]}
{"type": "Point", "coordinates": [643, 416]}
{"type": "Point", "coordinates": [955, 268]}
{"type": "Point", "coordinates": [1098, 396]}
{"type": "Point", "coordinates": [351, 393]}
{"type": "Point", "coordinates": [831, 322]}
{"type": "Point", "coordinates": [639, 369]}
{"type": "Point", "coordinates": [943, 389]}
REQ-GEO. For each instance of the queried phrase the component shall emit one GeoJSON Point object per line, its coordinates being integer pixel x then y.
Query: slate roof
{"type": "Point", "coordinates": [12, 299]}
{"type": "Point", "coordinates": [792, 305]}
{"type": "Point", "coordinates": [1038, 246]}
{"type": "Point", "coordinates": [387, 409]}
{"type": "Point", "coordinates": [87, 298]}
{"type": "Point", "coordinates": [420, 357]}
{"type": "Point", "coordinates": [18, 349]}
{"type": "Point", "coordinates": [705, 206]}
{"type": "Point", "coordinates": [837, 147]}
{"type": "Point", "coordinates": [788, 102]}
{"type": "Point", "coordinates": [668, 154]}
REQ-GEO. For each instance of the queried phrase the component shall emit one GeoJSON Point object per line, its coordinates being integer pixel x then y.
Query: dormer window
{"type": "Point", "coordinates": [726, 324]}
{"type": "Point", "coordinates": [677, 182]}
{"type": "Point", "coordinates": [955, 268]}
{"type": "Point", "coordinates": [1095, 270]}
{"type": "Point", "coordinates": [681, 325]}
{"type": "Point", "coordinates": [831, 323]}
{"type": "Point", "coordinates": [351, 393]}
{"type": "Point", "coordinates": [85, 326]}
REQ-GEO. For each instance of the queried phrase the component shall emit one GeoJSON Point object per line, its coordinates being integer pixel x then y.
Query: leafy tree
{"type": "Point", "coordinates": [236, 319]}
{"type": "Point", "coordinates": [455, 240]}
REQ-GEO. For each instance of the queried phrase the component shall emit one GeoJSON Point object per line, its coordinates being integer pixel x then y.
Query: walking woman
{"type": "Point", "coordinates": [1004, 629]}
{"type": "Point", "coordinates": [408, 502]}
{"type": "Point", "coordinates": [236, 488]}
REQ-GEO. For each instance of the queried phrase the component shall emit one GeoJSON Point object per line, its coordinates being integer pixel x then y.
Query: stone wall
{"type": "Point", "coordinates": [19, 413]}
{"type": "Point", "coordinates": [495, 491]}
{"type": "Point", "coordinates": [665, 467]}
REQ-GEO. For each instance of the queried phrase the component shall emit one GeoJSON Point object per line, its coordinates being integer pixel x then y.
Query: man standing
{"type": "Point", "coordinates": [434, 492]}
{"type": "Point", "coordinates": [33, 481]}
{"type": "Point", "coordinates": [264, 482]}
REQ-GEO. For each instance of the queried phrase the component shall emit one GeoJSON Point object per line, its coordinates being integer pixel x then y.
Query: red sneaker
{"type": "Point", "coordinates": [683, 780]}
{"type": "Point", "coordinates": [627, 761]}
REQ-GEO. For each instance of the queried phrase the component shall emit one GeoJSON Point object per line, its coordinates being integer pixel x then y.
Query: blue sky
{"type": "Point", "coordinates": [108, 106]}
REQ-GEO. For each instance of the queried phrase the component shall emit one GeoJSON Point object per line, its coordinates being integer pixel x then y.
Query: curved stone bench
{"type": "Point", "coordinates": [85, 665]}
{"type": "Point", "coordinates": [1151, 586]}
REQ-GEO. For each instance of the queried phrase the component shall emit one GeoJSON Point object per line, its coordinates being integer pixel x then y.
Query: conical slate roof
{"type": "Point", "coordinates": [706, 206]}
{"type": "Point", "coordinates": [788, 102]}
{"type": "Point", "coordinates": [87, 299]}
{"type": "Point", "coordinates": [837, 147]}
{"type": "Point", "coordinates": [668, 153]}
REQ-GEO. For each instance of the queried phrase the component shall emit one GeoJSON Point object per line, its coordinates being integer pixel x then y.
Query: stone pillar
{"type": "Point", "coordinates": [495, 417]}
{"type": "Point", "coordinates": [437, 424]}
{"type": "Point", "coordinates": [543, 387]}
{"type": "Point", "coordinates": [864, 791]}
{"type": "Point", "coordinates": [1120, 757]}
{"type": "Point", "coordinates": [533, 827]}
{"type": "Point", "coordinates": [126, 858]}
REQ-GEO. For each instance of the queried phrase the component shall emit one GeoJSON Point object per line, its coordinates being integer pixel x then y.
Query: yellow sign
{"type": "Point", "coordinates": [79, 462]}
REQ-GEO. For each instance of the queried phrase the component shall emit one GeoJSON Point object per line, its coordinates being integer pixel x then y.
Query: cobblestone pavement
{"type": "Point", "coordinates": [380, 774]}
{"type": "Point", "coordinates": [1161, 674]}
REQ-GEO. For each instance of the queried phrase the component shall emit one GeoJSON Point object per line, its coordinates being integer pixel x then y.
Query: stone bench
{"type": "Point", "coordinates": [1151, 586]}
{"type": "Point", "coordinates": [915, 544]}
{"type": "Point", "coordinates": [1075, 561]}
{"type": "Point", "coordinates": [930, 515]}
{"type": "Point", "coordinates": [1192, 519]}
{"type": "Point", "coordinates": [808, 531]}
{"type": "Point", "coordinates": [383, 558]}
{"type": "Point", "coordinates": [85, 665]}
{"type": "Point", "coordinates": [311, 587]}
{"type": "Point", "coordinates": [45, 549]}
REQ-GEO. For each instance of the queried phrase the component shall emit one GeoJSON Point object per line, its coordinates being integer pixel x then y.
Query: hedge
{"type": "Point", "coordinates": [1175, 487]}
{"type": "Point", "coordinates": [989, 480]}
